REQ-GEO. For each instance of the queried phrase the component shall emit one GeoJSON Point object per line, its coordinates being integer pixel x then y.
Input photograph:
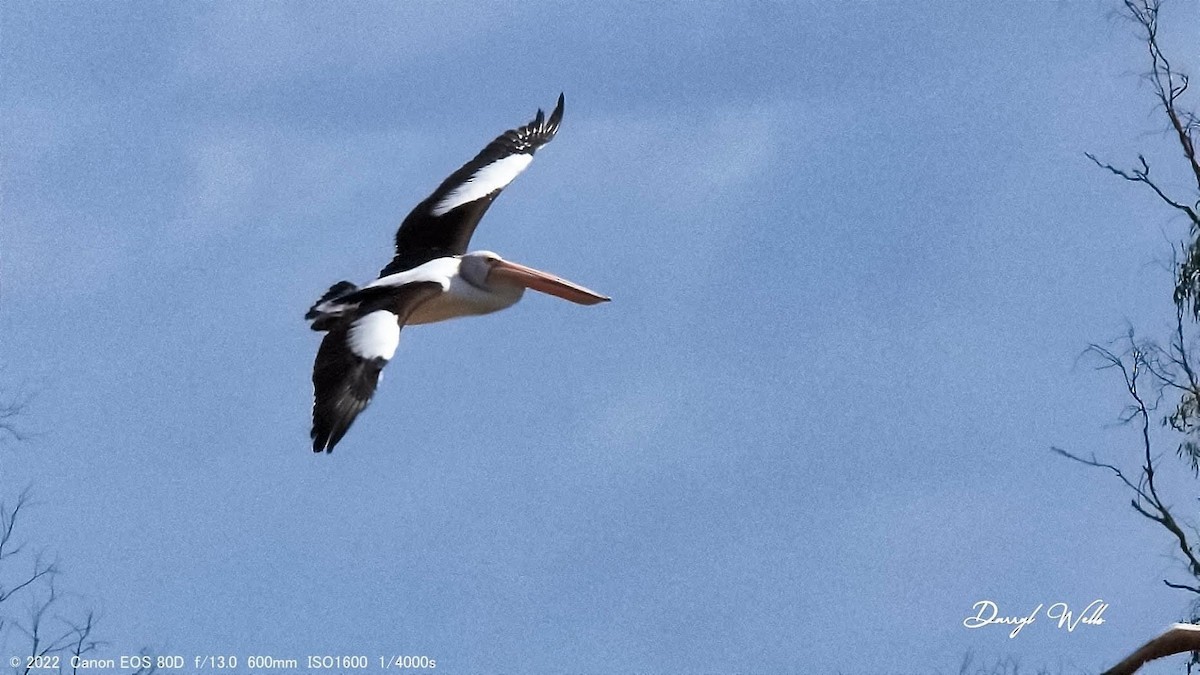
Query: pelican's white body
{"type": "Point", "coordinates": [464, 299]}
{"type": "Point", "coordinates": [459, 296]}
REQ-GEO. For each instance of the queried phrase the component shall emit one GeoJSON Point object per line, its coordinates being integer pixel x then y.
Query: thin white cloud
{"type": "Point", "coordinates": [280, 175]}
{"type": "Point", "coordinates": [245, 45]}
{"type": "Point", "coordinates": [46, 230]}
{"type": "Point", "coordinates": [681, 161]}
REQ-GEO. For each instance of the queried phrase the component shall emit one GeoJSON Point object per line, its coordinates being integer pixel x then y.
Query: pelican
{"type": "Point", "coordinates": [1179, 638]}
{"type": "Point", "coordinates": [431, 278]}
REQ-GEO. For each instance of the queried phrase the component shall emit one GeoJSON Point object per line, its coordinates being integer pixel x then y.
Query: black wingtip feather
{"type": "Point", "coordinates": [425, 235]}
{"type": "Point", "coordinates": [556, 116]}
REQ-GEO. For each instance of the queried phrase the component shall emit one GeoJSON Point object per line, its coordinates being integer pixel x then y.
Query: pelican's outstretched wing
{"type": "Point", "coordinates": [353, 354]}
{"type": "Point", "coordinates": [1179, 638]}
{"type": "Point", "coordinates": [443, 223]}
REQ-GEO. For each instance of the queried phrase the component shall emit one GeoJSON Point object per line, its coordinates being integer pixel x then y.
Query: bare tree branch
{"type": "Point", "coordinates": [8, 521]}
{"type": "Point", "coordinates": [1101, 465]}
{"type": "Point", "coordinates": [1150, 372]}
{"type": "Point", "coordinates": [9, 412]}
{"type": "Point", "coordinates": [83, 642]}
{"type": "Point", "coordinates": [39, 570]}
{"type": "Point", "coordinates": [55, 625]}
{"type": "Point", "coordinates": [1142, 175]}
{"type": "Point", "coordinates": [1147, 501]}
{"type": "Point", "coordinates": [1168, 84]}
{"type": "Point", "coordinates": [1183, 587]}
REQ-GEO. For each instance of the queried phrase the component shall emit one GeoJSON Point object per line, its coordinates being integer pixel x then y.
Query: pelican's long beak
{"type": "Point", "coordinates": [546, 283]}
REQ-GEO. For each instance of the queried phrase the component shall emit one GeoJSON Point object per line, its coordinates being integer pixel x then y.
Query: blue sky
{"type": "Point", "coordinates": [854, 251]}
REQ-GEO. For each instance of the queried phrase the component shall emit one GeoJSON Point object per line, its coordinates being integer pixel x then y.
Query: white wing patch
{"type": "Point", "coordinates": [484, 182]}
{"type": "Point", "coordinates": [375, 335]}
{"type": "Point", "coordinates": [440, 270]}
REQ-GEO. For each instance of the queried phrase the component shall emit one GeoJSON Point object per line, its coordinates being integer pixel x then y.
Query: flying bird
{"type": "Point", "coordinates": [1179, 638]}
{"type": "Point", "coordinates": [431, 278]}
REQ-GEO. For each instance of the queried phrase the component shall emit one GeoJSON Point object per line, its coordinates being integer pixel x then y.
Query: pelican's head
{"type": "Point", "coordinates": [484, 269]}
